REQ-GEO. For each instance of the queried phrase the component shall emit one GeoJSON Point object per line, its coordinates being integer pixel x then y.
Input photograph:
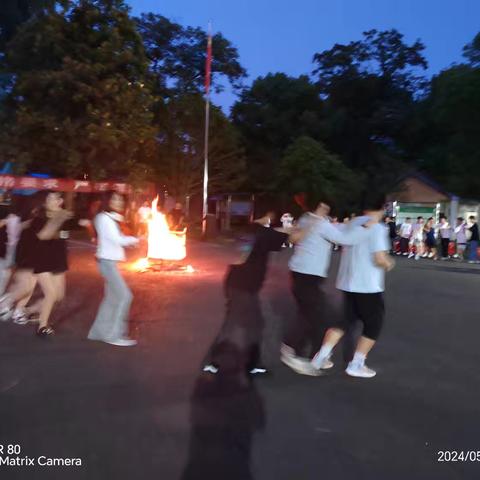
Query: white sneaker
{"type": "Point", "coordinates": [321, 363]}
{"type": "Point", "coordinates": [20, 318]}
{"type": "Point", "coordinates": [360, 370]}
{"type": "Point", "coordinates": [122, 342]}
{"type": "Point", "coordinates": [300, 365]}
{"type": "Point", "coordinates": [5, 314]}
{"type": "Point", "coordinates": [210, 368]}
{"type": "Point", "coordinates": [430, 255]}
{"type": "Point", "coordinates": [327, 364]}
{"type": "Point", "coordinates": [405, 254]}
{"type": "Point", "coordinates": [258, 371]}
{"type": "Point", "coordinates": [411, 254]}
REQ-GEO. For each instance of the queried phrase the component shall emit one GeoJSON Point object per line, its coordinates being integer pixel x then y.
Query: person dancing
{"type": "Point", "coordinates": [236, 350]}
{"type": "Point", "coordinates": [111, 323]}
{"type": "Point", "coordinates": [361, 277]}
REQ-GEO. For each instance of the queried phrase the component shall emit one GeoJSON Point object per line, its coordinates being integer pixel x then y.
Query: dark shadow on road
{"type": "Point", "coordinates": [226, 411]}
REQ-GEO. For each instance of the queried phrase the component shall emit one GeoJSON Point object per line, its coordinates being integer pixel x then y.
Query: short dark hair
{"type": "Point", "coordinates": [472, 217]}
{"type": "Point", "coordinates": [407, 218]}
{"type": "Point", "coordinates": [460, 219]}
{"type": "Point", "coordinates": [373, 202]}
{"type": "Point", "coordinates": [419, 218]}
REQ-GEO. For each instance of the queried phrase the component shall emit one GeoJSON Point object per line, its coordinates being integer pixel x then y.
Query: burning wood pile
{"type": "Point", "coordinates": [166, 248]}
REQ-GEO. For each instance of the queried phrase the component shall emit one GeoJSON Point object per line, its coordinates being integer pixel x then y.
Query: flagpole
{"type": "Point", "coordinates": [207, 128]}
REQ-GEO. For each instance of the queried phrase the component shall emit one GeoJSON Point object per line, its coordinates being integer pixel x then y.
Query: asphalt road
{"type": "Point", "coordinates": [148, 412]}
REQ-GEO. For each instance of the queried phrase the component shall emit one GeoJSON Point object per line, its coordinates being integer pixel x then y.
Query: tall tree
{"type": "Point", "coordinates": [308, 167]}
{"type": "Point", "coordinates": [82, 102]}
{"type": "Point", "coordinates": [181, 144]}
{"type": "Point", "coordinates": [14, 13]}
{"type": "Point", "coordinates": [370, 87]}
{"type": "Point", "coordinates": [177, 56]}
{"type": "Point", "coordinates": [270, 115]}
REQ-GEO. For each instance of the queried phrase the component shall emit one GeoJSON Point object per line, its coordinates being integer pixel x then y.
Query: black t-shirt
{"type": "Point", "coordinates": [474, 230]}
{"type": "Point", "coordinates": [51, 255]}
{"type": "Point", "coordinates": [250, 275]}
{"type": "Point", "coordinates": [392, 229]}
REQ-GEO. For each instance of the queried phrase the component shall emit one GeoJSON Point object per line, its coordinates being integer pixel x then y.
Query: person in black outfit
{"type": "Point", "coordinates": [176, 218]}
{"type": "Point", "coordinates": [243, 326]}
{"type": "Point", "coordinates": [392, 232]}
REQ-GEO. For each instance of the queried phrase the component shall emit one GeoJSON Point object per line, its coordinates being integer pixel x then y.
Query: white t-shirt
{"type": "Point", "coordinates": [287, 220]}
{"type": "Point", "coordinates": [417, 232]}
{"type": "Point", "coordinates": [406, 230]}
{"type": "Point", "coordinates": [110, 241]}
{"type": "Point", "coordinates": [461, 233]}
{"type": "Point", "coordinates": [358, 272]}
{"type": "Point", "coordinates": [444, 230]}
{"type": "Point", "coordinates": [312, 254]}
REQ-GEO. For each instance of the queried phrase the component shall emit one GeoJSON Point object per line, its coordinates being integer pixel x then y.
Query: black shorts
{"type": "Point", "coordinates": [369, 308]}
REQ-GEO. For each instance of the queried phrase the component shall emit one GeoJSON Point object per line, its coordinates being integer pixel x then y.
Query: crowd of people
{"type": "Point", "coordinates": [429, 239]}
{"type": "Point", "coordinates": [33, 245]}
{"type": "Point", "coordinates": [364, 261]}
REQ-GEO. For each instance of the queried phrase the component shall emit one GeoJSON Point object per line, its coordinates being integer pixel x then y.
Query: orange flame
{"type": "Point", "coordinates": [162, 242]}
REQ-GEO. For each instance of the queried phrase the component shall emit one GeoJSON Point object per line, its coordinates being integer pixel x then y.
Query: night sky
{"type": "Point", "coordinates": [283, 35]}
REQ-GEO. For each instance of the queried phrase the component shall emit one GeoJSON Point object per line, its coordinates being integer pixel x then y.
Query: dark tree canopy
{"type": "Point", "coordinates": [177, 56]}
{"type": "Point", "coordinates": [80, 97]}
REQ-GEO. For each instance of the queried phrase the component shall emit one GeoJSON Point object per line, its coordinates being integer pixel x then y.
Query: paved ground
{"type": "Point", "coordinates": [147, 413]}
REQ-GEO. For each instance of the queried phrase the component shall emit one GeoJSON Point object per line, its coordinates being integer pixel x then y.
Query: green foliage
{"type": "Point", "coordinates": [82, 104]}
{"type": "Point", "coordinates": [181, 148]}
{"type": "Point", "coordinates": [177, 56]}
{"type": "Point", "coordinates": [450, 145]}
{"type": "Point", "coordinates": [270, 115]}
{"type": "Point", "coordinates": [308, 167]}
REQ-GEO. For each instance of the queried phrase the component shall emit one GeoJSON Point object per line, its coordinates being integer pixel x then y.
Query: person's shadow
{"type": "Point", "coordinates": [226, 411]}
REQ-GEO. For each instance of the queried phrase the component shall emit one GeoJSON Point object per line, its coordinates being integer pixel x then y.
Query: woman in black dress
{"type": "Point", "coordinates": [50, 263]}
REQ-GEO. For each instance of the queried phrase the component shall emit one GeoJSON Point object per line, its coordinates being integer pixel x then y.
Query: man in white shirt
{"type": "Point", "coordinates": [417, 239]}
{"type": "Point", "coordinates": [461, 237]}
{"type": "Point", "coordinates": [309, 267]}
{"type": "Point", "coordinates": [405, 234]}
{"type": "Point", "coordinates": [361, 277]}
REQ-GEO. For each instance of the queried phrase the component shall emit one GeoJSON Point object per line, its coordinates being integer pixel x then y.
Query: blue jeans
{"type": "Point", "coordinates": [472, 256]}
{"type": "Point", "coordinates": [111, 322]}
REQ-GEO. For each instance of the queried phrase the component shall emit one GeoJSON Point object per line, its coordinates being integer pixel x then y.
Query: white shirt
{"type": "Point", "coordinates": [287, 220]}
{"type": "Point", "coordinates": [14, 229]}
{"type": "Point", "coordinates": [417, 232]}
{"type": "Point", "coordinates": [110, 239]}
{"type": "Point", "coordinates": [444, 229]}
{"type": "Point", "coordinates": [358, 271]}
{"type": "Point", "coordinates": [461, 233]}
{"type": "Point", "coordinates": [406, 230]}
{"type": "Point", "coordinates": [313, 253]}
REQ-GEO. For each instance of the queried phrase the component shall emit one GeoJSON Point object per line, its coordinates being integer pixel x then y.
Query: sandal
{"type": "Point", "coordinates": [45, 331]}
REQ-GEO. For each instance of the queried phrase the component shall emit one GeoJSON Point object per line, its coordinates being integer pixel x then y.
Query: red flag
{"type": "Point", "coordinates": [208, 64]}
